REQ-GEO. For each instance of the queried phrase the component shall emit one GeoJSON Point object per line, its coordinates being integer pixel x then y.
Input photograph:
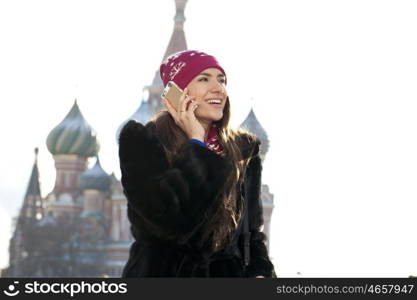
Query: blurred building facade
{"type": "Point", "coordinates": [80, 229]}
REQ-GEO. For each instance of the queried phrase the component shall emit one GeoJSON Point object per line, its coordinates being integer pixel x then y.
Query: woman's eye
{"type": "Point", "coordinates": [222, 80]}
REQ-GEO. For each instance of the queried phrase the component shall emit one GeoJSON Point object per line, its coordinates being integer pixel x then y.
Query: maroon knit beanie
{"type": "Point", "coordinates": [183, 66]}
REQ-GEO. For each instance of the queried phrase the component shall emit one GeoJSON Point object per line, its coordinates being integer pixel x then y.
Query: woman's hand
{"type": "Point", "coordinates": [185, 118]}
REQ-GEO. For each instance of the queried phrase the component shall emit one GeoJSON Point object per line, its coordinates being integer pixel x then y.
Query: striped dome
{"type": "Point", "coordinates": [95, 179]}
{"type": "Point", "coordinates": [73, 136]}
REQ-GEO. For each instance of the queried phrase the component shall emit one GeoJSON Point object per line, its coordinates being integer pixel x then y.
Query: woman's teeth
{"type": "Point", "coordinates": [215, 101]}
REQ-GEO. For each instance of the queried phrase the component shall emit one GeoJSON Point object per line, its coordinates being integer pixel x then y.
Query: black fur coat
{"type": "Point", "coordinates": [169, 203]}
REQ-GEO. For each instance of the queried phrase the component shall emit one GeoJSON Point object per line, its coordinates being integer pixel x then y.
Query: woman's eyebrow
{"type": "Point", "coordinates": [208, 74]}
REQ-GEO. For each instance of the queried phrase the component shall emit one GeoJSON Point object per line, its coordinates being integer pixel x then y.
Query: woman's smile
{"type": "Point", "coordinates": [217, 103]}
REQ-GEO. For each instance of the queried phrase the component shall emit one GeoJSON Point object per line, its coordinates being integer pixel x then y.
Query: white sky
{"type": "Point", "coordinates": [333, 82]}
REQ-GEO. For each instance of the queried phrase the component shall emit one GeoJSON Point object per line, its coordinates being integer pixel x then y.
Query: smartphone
{"type": "Point", "coordinates": [173, 93]}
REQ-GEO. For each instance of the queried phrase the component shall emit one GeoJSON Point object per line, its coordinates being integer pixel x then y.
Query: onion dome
{"type": "Point", "coordinates": [95, 179]}
{"type": "Point", "coordinates": [252, 125]}
{"type": "Point", "coordinates": [143, 115]}
{"type": "Point", "coordinates": [73, 136]}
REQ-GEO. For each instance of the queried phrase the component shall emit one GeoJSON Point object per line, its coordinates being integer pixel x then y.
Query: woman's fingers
{"type": "Point", "coordinates": [192, 107]}
{"type": "Point", "coordinates": [184, 100]}
{"type": "Point", "coordinates": [189, 112]}
{"type": "Point", "coordinates": [179, 116]}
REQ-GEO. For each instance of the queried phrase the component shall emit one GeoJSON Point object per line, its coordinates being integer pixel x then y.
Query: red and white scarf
{"type": "Point", "coordinates": [212, 141]}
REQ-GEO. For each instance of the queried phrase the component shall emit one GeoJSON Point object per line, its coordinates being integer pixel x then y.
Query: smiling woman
{"type": "Point", "coordinates": [193, 183]}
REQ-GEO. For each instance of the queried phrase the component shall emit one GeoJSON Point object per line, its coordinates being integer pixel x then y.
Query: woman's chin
{"type": "Point", "coordinates": [212, 117]}
{"type": "Point", "coordinates": [218, 118]}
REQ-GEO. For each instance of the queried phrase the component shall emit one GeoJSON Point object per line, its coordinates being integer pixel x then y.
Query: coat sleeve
{"type": "Point", "coordinates": [259, 263]}
{"type": "Point", "coordinates": [170, 201]}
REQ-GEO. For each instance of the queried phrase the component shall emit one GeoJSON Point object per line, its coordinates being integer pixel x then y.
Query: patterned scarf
{"type": "Point", "coordinates": [212, 141]}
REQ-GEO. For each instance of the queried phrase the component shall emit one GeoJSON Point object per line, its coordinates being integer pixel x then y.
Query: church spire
{"type": "Point", "coordinates": [151, 103]}
{"type": "Point", "coordinates": [176, 43]}
{"type": "Point", "coordinates": [32, 203]}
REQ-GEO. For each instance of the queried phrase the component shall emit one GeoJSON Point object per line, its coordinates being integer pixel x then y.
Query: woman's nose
{"type": "Point", "coordinates": [218, 88]}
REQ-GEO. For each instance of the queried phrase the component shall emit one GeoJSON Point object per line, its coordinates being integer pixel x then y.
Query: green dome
{"type": "Point", "coordinates": [95, 178]}
{"type": "Point", "coordinates": [73, 136]}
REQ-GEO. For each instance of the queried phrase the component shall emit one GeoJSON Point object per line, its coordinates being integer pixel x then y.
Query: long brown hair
{"type": "Point", "coordinates": [219, 227]}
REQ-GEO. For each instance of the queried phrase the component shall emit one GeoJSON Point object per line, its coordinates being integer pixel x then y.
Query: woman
{"type": "Point", "coordinates": [192, 183]}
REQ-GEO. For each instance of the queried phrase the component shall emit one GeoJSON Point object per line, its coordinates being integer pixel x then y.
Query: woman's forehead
{"type": "Point", "coordinates": [212, 71]}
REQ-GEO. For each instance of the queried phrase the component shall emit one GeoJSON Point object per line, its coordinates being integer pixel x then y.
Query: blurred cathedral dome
{"type": "Point", "coordinates": [253, 125]}
{"type": "Point", "coordinates": [95, 178]}
{"type": "Point", "coordinates": [143, 115]}
{"type": "Point", "coordinates": [73, 136]}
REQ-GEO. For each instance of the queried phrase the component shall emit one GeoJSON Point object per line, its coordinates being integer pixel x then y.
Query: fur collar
{"type": "Point", "coordinates": [247, 142]}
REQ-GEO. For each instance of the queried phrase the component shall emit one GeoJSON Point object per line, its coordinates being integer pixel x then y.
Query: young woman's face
{"type": "Point", "coordinates": [209, 90]}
